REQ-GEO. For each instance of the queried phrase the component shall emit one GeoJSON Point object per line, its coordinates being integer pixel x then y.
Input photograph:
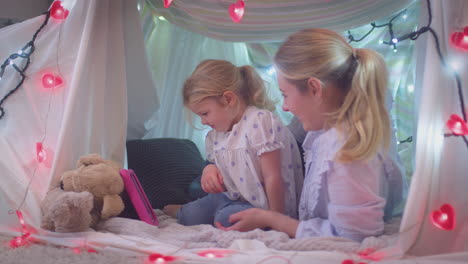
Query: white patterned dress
{"type": "Point", "coordinates": [237, 155]}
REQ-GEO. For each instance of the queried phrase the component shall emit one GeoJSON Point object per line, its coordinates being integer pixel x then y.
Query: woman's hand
{"type": "Point", "coordinates": [253, 218]}
{"type": "Point", "coordinates": [212, 179]}
{"type": "Point", "coordinates": [247, 220]}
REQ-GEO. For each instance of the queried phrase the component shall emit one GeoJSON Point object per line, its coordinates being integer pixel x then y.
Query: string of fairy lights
{"type": "Point", "coordinates": [393, 40]}
{"type": "Point", "coordinates": [444, 217]}
{"type": "Point", "coordinates": [457, 125]}
{"type": "Point", "coordinates": [25, 53]}
{"type": "Point", "coordinates": [15, 60]}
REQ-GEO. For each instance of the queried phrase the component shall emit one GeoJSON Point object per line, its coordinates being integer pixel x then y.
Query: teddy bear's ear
{"type": "Point", "coordinates": [89, 159]}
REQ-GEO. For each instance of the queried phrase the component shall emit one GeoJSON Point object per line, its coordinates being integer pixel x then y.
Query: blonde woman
{"type": "Point", "coordinates": [338, 94]}
{"type": "Point", "coordinates": [256, 159]}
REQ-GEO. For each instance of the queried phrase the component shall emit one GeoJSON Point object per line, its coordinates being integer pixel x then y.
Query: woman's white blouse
{"type": "Point", "coordinates": [237, 156]}
{"type": "Point", "coordinates": [345, 199]}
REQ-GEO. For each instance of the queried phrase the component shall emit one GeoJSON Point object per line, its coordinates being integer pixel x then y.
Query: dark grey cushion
{"type": "Point", "coordinates": [165, 167]}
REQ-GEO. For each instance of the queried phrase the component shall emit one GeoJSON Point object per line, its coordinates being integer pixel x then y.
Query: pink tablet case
{"type": "Point", "coordinates": [138, 197]}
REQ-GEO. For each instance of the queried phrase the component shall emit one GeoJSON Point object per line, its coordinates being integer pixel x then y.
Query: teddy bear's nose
{"type": "Point", "coordinates": [61, 185]}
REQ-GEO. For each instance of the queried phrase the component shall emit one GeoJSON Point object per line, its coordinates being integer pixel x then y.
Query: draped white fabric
{"type": "Point", "coordinates": [273, 20]}
{"type": "Point", "coordinates": [142, 95]}
{"type": "Point", "coordinates": [441, 169]}
{"type": "Point", "coordinates": [89, 114]}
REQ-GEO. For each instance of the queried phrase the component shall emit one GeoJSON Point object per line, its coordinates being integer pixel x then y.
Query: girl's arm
{"type": "Point", "coordinates": [270, 163]}
{"type": "Point", "coordinates": [212, 179]}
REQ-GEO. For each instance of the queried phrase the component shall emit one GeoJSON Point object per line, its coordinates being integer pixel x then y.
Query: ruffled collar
{"type": "Point", "coordinates": [310, 138]}
{"type": "Point", "coordinates": [320, 148]}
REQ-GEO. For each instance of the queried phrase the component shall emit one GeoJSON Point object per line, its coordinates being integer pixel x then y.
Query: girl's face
{"type": "Point", "coordinates": [215, 114]}
{"type": "Point", "coordinates": [305, 106]}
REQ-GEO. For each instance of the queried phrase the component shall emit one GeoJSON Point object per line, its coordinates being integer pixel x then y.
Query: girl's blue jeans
{"type": "Point", "coordinates": [214, 207]}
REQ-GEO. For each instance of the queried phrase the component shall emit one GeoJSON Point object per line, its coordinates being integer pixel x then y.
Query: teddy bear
{"type": "Point", "coordinates": [83, 196]}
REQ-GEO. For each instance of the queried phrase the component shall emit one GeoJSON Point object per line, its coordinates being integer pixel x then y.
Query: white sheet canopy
{"type": "Point", "coordinates": [273, 20]}
{"type": "Point", "coordinates": [108, 93]}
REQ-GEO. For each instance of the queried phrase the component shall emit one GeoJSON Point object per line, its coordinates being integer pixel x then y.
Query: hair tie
{"type": "Point", "coordinates": [355, 54]}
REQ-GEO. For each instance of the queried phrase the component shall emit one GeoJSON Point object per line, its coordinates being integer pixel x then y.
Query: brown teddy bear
{"type": "Point", "coordinates": [84, 196]}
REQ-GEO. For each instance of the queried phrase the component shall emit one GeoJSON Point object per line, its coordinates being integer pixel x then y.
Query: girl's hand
{"type": "Point", "coordinates": [247, 220]}
{"type": "Point", "coordinates": [212, 180]}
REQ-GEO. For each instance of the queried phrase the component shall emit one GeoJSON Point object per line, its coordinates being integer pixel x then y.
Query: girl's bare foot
{"type": "Point", "coordinates": [171, 209]}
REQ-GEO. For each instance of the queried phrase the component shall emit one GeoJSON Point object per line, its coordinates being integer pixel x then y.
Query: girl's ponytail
{"type": "Point", "coordinates": [253, 89]}
{"type": "Point", "coordinates": [211, 78]}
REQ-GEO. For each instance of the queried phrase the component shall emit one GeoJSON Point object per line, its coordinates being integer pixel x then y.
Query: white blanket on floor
{"type": "Point", "coordinates": [206, 236]}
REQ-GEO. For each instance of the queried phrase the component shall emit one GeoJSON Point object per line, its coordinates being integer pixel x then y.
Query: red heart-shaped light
{"type": "Point", "coordinates": [167, 3]}
{"type": "Point", "coordinates": [57, 11]}
{"type": "Point", "coordinates": [456, 38]}
{"type": "Point", "coordinates": [350, 261]}
{"type": "Point", "coordinates": [160, 258]}
{"type": "Point", "coordinates": [20, 241]}
{"type": "Point", "coordinates": [214, 253]}
{"type": "Point", "coordinates": [40, 153]}
{"type": "Point", "coordinates": [236, 11]}
{"type": "Point", "coordinates": [460, 39]}
{"type": "Point", "coordinates": [457, 125]}
{"type": "Point", "coordinates": [444, 218]}
{"type": "Point", "coordinates": [50, 80]}
{"type": "Point", "coordinates": [371, 254]}
{"type": "Point", "coordinates": [78, 250]}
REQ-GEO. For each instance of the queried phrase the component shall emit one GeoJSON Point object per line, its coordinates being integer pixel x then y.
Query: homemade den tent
{"type": "Point", "coordinates": [89, 75]}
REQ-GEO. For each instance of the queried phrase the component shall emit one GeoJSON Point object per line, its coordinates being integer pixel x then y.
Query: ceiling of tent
{"type": "Point", "coordinates": [273, 20]}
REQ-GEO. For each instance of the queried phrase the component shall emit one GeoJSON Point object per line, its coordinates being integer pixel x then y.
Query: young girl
{"type": "Point", "coordinates": [338, 94]}
{"type": "Point", "coordinates": [256, 158]}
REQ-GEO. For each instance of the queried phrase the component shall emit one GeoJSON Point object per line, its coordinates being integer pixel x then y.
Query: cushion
{"type": "Point", "coordinates": [166, 168]}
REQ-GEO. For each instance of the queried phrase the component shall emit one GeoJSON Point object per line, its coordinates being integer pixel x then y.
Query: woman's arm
{"type": "Point", "coordinates": [356, 209]}
{"type": "Point", "coordinates": [270, 163]}
{"type": "Point", "coordinates": [253, 218]}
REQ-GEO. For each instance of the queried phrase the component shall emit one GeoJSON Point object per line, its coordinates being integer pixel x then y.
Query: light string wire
{"type": "Point", "coordinates": [23, 53]}
{"type": "Point", "coordinates": [413, 36]}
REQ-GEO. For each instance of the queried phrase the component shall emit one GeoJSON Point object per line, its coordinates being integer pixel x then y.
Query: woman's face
{"type": "Point", "coordinates": [305, 106]}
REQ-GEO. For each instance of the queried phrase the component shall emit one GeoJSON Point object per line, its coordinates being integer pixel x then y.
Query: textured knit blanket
{"type": "Point", "coordinates": [206, 236]}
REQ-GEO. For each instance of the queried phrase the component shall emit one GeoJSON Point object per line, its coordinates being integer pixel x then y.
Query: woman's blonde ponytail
{"type": "Point", "coordinates": [360, 75]}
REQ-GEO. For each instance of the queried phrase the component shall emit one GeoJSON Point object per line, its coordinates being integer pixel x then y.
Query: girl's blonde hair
{"type": "Point", "coordinates": [211, 78]}
{"type": "Point", "coordinates": [360, 74]}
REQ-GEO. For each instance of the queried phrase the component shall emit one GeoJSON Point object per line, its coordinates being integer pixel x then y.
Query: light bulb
{"type": "Point", "coordinates": [58, 12]}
